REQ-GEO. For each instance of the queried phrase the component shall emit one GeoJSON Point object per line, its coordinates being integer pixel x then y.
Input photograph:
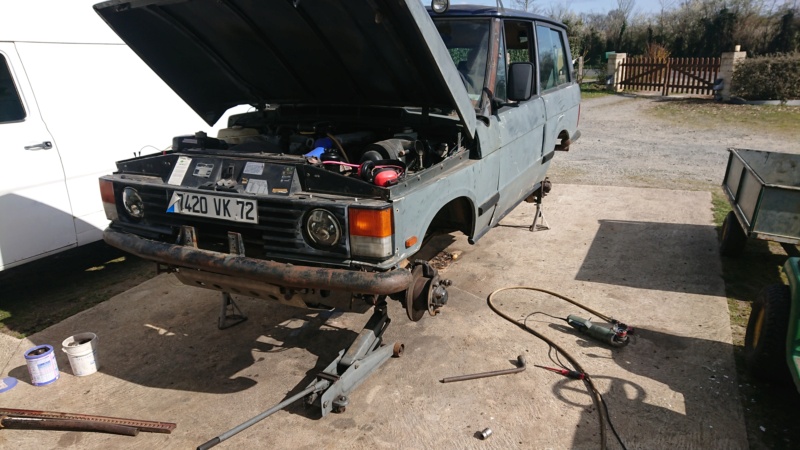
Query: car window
{"type": "Point", "coordinates": [468, 43]}
{"type": "Point", "coordinates": [11, 109]}
{"type": "Point", "coordinates": [518, 42]}
{"type": "Point", "coordinates": [553, 68]}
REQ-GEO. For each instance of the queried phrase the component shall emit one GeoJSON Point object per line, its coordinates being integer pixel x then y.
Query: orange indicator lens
{"type": "Point", "coordinates": [371, 222]}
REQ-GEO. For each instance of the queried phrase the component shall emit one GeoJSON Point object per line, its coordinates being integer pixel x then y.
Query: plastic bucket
{"type": "Point", "coordinates": [42, 365]}
{"type": "Point", "coordinates": [81, 349]}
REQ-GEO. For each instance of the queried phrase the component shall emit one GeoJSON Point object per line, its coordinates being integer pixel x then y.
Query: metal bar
{"type": "Point", "coordinates": [35, 423]}
{"type": "Point", "coordinates": [239, 428]}
{"type": "Point", "coordinates": [141, 425]}
{"type": "Point", "coordinates": [520, 368]}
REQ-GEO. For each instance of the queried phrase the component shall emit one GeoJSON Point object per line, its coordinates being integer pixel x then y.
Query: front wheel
{"type": "Point", "coordinates": [733, 238]}
{"type": "Point", "coordinates": [765, 341]}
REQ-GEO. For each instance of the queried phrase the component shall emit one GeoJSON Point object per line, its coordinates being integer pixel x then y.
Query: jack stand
{"type": "Point", "coordinates": [539, 215]}
{"type": "Point", "coordinates": [229, 314]}
{"type": "Point", "coordinates": [352, 367]}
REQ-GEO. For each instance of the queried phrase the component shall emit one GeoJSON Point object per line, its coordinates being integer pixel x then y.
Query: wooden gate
{"type": "Point", "coordinates": [671, 75]}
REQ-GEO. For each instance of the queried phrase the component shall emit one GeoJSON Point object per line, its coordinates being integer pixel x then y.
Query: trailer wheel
{"type": "Point", "coordinates": [765, 340]}
{"type": "Point", "coordinates": [733, 238]}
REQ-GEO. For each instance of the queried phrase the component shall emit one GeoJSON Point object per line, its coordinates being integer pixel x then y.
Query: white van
{"type": "Point", "coordinates": [73, 100]}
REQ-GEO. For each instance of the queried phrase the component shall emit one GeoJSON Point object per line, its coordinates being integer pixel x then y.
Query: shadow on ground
{"type": "Point", "coordinates": [640, 255]}
{"type": "Point", "coordinates": [178, 346]}
{"type": "Point", "coordinates": [44, 292]}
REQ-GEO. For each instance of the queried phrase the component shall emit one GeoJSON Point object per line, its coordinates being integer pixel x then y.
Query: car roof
{"type": "Point", "coordinates": [492, 11]}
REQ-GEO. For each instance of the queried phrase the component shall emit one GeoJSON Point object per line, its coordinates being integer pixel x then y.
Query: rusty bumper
{"type": "Point", "coordinates": [281, 274]}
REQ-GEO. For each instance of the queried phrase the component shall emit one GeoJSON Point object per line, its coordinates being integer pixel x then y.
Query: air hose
{"type": "Point", "coordinates": [597, 398]}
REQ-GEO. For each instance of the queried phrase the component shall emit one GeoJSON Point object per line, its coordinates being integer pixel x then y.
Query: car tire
{"type": "Point", "coordinates": [765, 340]}
{"type": "Point", "coordinates": [733, 238]}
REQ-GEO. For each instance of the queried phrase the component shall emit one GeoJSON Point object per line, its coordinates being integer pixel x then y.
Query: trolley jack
{"type": "Point", "coordinates": [332, 386]}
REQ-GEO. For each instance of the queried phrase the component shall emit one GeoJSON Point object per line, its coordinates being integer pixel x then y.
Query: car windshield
{"type": "Point", "coordinates": [468, 43]}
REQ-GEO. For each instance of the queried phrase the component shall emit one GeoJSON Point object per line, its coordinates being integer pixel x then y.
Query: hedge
{"type": "Point", "coordinates": [770, 77]}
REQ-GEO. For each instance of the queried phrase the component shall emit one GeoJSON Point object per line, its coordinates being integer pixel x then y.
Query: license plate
{"type": "Point", "coordinates": [217, 207]}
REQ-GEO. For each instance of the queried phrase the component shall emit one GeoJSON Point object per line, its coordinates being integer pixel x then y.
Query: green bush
{"type": "Point", "coordinates": [770, 77]}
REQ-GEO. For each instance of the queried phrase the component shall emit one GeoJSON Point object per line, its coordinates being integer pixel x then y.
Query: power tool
{"type": "Point", "coordinates": [616, 335]}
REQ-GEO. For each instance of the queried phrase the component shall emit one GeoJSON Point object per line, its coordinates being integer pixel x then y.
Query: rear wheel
{"type": "Point", "coordinates": [733, 238]}
{"type": "Point", "coordinates": [765, 341]}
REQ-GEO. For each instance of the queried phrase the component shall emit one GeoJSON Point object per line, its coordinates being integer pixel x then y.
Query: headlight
{"type": "Point", "coordinates": [133, 203]}
{"type": "Point", "coordinates": [440, 6]}
{"type": "Point", "coordinates": [322, 228]}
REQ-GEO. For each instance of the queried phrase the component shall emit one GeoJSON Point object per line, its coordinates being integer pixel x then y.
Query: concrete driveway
{"type": "Point", "coordinates": [645, 256]}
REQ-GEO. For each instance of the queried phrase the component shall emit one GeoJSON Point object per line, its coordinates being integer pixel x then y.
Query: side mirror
{"type": "Point", "coordinates": [520, 81]}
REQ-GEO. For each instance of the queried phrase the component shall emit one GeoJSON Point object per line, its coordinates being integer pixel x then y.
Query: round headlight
{"type": "Point", "coordinates": [133, 203]}
{"type": "Point", "coordinates": [322, 228]}
{"type": "Point", "coordinates": [440, 6]}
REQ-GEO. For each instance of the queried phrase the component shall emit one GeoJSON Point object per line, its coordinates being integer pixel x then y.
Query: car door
{"type": "Point", "coordinates": [561, 95]}
{"type": "Point", "coordinates": [35, 213]}
{"type": "Point", "coordinates": [519, 127]}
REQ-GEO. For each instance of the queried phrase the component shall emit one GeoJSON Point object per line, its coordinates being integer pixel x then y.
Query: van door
{"type": "Point", "coordinates": [35, 213]}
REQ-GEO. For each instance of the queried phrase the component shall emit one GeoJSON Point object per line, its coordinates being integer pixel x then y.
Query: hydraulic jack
{"type": "Point", "coordinates": [353, 366]}
{"type": "Point", "coordinates": [331, 388]}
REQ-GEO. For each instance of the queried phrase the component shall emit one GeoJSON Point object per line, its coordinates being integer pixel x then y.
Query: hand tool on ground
{"type": "Point", "coordinates": [616, 335]}
{"type": "Point", "coordinates": [574, 374]}
{"type": "Point", "coordinates": [520, 367]}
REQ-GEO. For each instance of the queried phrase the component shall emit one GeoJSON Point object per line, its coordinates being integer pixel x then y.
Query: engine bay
{"type": "Point", "coordinates": [378, 154]}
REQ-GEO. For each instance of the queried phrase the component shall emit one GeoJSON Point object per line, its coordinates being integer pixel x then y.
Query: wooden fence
{"type": "Point", "coordinates": [671, 75]}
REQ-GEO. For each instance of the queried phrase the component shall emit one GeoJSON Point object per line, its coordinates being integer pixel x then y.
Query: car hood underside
{"type": "Point", "coordinates": [217, 54]}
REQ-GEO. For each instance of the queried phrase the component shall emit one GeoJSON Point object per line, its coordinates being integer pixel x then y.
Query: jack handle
{"type": "Point", "coordinates": [520, 367]}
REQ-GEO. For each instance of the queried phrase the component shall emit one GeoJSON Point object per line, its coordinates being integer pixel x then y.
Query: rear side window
{"type": "Point", "coordinates": [11, 109]}
{"type": "Point", "coordinates": [553, 67]}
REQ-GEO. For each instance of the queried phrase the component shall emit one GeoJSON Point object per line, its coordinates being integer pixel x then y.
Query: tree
{"type": "Point", "coordinates": [526, 5]}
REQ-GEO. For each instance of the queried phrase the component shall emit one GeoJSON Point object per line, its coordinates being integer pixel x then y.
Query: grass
{"type": "Point", "coordinates": [708, 114]}
{"type": "Point", "coordinates": [766, 405]}
{"type": "Point", "coordinates": [592, 90]}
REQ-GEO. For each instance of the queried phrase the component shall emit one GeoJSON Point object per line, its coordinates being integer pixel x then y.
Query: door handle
{"type": "Point", "coordinates": [46, 145]}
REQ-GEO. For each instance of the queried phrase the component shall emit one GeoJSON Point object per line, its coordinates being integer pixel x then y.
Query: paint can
{"type": "Point", "coordinates": [42, 365]}
{"type": "Point", "coordinates": [81, 349]}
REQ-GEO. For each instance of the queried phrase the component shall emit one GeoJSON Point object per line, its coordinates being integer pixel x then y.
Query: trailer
{"type": "Point", "coordinates": [764, 191]}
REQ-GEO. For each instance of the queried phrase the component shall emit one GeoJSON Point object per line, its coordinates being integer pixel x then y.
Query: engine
{"type": "Point", "coordinates": [381, 156]}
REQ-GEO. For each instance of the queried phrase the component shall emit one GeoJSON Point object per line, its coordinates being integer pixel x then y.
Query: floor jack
{"type": "Point", "coordinates": [331, 388]}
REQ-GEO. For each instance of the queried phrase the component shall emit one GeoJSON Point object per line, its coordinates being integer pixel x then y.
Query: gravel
{"type": "Point", "coordinates": [623, 144]}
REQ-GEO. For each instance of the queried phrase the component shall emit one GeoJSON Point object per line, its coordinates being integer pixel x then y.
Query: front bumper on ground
{"type": "Point", "coordinates": [280, 274]}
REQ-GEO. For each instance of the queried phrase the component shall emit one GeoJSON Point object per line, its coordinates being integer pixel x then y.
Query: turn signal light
{"type": "Point", "coordinates": [371, 222]}
{"type": "Point", "coordinates": [371, 232]}
{"type": "Point", "coordinates": [109, 202]}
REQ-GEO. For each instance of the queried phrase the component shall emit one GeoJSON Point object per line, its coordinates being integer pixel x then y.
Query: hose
{"type": "Point", "coordinates": [597, 398]}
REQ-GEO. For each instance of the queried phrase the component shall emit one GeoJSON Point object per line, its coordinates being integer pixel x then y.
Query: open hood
{"type": "Point", "coordinates": [217, 54]}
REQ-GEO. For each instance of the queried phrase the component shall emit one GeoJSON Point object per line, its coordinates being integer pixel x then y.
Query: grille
{"type": "Point", "coordinates": [277, 236]}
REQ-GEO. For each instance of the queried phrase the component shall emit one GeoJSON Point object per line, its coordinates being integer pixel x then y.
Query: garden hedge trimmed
{"type": "Point", "coordinates": [770, 77]}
